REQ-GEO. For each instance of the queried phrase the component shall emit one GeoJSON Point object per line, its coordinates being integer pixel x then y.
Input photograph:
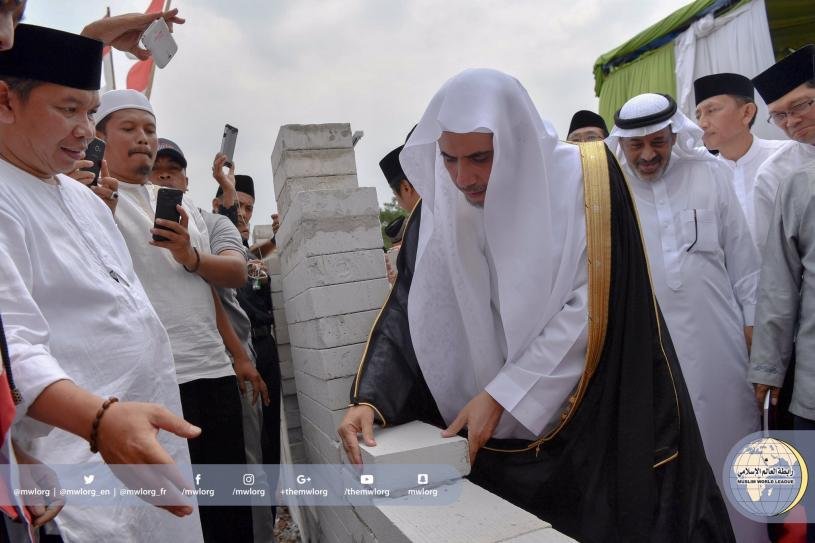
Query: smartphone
{"type": "Point", "coordinates": [159, 41]}
{"type": "Point", "coordinates": [95, 153]}
{"type": "Point", "coordinates": [228, 143]}
{"type": "Point", "coordinates": [166, 202]}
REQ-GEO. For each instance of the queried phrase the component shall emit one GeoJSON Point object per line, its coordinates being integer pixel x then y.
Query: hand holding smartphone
{"type": "Point", "coordinates": [228, 143]}
{"type": "Point", "coordinates": [95, 153]}
{"type": "Point", "coordinates": [159, 41]}
{"type": "Point", "coordinates": [166, 202]}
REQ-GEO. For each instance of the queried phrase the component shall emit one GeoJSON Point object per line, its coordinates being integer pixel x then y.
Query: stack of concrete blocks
{"type": "Point", "coordinates": [332, 283]}
{"type": "Point", "coordinates": [328, 284]}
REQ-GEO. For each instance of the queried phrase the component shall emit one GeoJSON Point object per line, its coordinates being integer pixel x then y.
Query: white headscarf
{"type": "Point", "coordinates": [532, 226]}
{"type": "Point", "coordinates": [688, 135]}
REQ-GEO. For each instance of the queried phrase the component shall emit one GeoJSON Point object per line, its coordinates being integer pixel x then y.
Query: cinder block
{"type": "Point", "coordinates": [281, 328]}
{"type": "Point", "coordinates": [333, 269]}
{"type": "Point", "coordinates": [328, 447]}
{"type": "Point", "coordinates": [417, 443]}
{"type": "Point", "coordinates": [324, 208]}
{"type": "Point", "coordinates": [359, 530]}
{"type": "Point", "coordinates": [313, 163]}
{"type": "Point", "coordinates": [544, 535]}
{"type": "Point", "coordinates": [287, 370]}
{"type": "Point", "coordinates": [293, 419]}
{"type": "Point", "coordinates": [295, 435]}
{"type": "Point", "coordinates": [329, 332]}
{"type": "Point", "coordinates": [292, 186]}
{"type": "Point", "coordinates": [289, 387]}
{"type": "Point", "coordinates": [319, 302]}
{"type": "Point", "coordinates": [313, 455]}
{"type": "Point", "coordinates": [480, 517]}
{"type": "Point", "coordinates": [327, 420]}
{"type": "Point", "coordinates": [333, 530]}
{"type": "Point", "coordinates": [277, 299]}
{"type": "Point", "coordinates": [316, 238]}
{"type": "Point", "coordinates": [332, 394]}
{"type": "Point", "coordinates": [329, 363]}
{"type": "Point", "coordinates": [298, 453]}
{"type": "Point", "coordinates": [276, 283]}
{"type": "Point", "coordinates": [272, 261]}
{"type": "Point", "coordinates": [311, 136]}
{"type": "Point", "coordinates": [290, 404]}
{"type": "Point", "coordinates": [284, 352]}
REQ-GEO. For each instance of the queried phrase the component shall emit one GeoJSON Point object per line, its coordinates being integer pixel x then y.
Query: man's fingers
{"type": "Point", "coordinates": [104, 171]}
{"type": "Point", "coordinates": [166, 420]}
{"type": "Point", "coordinates": [241, 384]}
{"type": "Point", "coordinates": [84, 163]}
{"type": "Point", "coordinates": [48, 515]}
{"type": "Point", "coordinates": [174, 227]}
{"type": "Point", "coordinates": [185, 219]}
{"type": "Point", "coordinates": [455, 427]}
{"type": "Point", "coordinates": [368, 431]}
{"type": "Point", "coordinates": [348, 436]}
{"type": "Point", "coordinates": [774, 393]}
{"type": "Point", "coordinates": [264, 393]}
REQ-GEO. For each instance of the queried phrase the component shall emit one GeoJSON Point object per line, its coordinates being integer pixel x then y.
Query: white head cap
{"type": "Point", "coordinates": [122, 99]}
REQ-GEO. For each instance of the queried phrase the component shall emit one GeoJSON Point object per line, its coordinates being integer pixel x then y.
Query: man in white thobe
{"type": "Point", "coordinates": [788, 87]}
{"type": "Point", "coordinates": [704, 269]}
{"type": "Point", "coordinates": [79, 324]}
{"type": "Point", "coordinates": [726, 111]}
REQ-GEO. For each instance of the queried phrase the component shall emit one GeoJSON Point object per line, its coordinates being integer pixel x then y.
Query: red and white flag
{"type": "Point", "coordinates": [140, 75]}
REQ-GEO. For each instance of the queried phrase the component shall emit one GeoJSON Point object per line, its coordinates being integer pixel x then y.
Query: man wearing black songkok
{"type": "Point", "coordinates": [587, 126]}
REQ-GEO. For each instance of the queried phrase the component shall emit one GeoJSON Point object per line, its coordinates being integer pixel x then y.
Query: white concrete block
{"type": "Point", "coordinates": [281, 327]}
{"type": "Point", "coordinates": [327, 420]}
{"type": "Point", "coordinates": [298, 453]}
{"type": "Point", "coordinates": [329, 332]}
{"type": "Point", "coordinates": [328, 447]}
{"type": "Point", "coordinates": [293, 185]}
{"type": "Point", "coordinates": [288, 387]}
{"type": "Point", "coordinates": [332, 394]}
{"type": "Point", "coordinates": [359, 530]}
{"type": "Point", "coordinates": [272, 261]}
{"type": "Point", "coordinates": [276, 283]}
{"type": "Point", "coordinates": [332, 529]}
{"type": "Point", "coordinates": [284, 352]}
{"type": "Point", "coordinates": [311, 136]}
{"type": "Point", "coordinates": [341, 236]}
{"type": "Point", "coordinates": [313, 163]}
{"type": "Point", "coordinates": [295, 435]}
{"type": "Point", "coordinates": [290, 403]}
{"type": "Point", "coordinates": [287, 370]}
{"type": "Point", "coordinates": [319, 302]}
{"type": "Point", "coordinates": [321, 211]}
{"type": "Point", "coordinates": [544, 535]}
{"type": "Point", "coordinates": [333, 269]}
{"type": "Point", "coordinates": [417, 443]}
{"type": "Point", "coordinates": [293, 419]}
{"type": "Point", "coordinates": [476, 517]}
{"type": "Point", "coordinates": [329, 363]}
{"type": "Point", "coordinates": [277, 299]}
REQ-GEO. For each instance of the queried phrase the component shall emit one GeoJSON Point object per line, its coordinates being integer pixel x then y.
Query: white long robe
{"type": "Point", "coordinates": [67, 317]}
{"type": "Point", "coordinates": [744, 176]}
{"type": "Point", "coordinates": [705, 274]}
{"type": "Point", "coordinates": [783, 164]}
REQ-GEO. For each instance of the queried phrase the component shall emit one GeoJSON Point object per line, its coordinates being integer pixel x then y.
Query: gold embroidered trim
{"type": "Point", "coordinates": [373, 327]}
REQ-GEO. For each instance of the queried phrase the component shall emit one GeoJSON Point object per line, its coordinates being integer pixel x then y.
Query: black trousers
{"type": "Point", "coordinates": [268, 365]}
{"type": "Point", "coordinates": [214, 405]}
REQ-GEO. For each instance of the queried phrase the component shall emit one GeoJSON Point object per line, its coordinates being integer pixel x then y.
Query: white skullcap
{"type": "Point", "coordinates": [122, 99]}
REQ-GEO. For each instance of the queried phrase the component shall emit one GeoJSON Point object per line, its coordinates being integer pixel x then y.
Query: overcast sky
{"type": "Point", "coordinates": [374, 63]}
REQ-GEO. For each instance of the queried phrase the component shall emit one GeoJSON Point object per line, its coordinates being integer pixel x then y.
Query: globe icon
{"type": "Point", "coordinates": [768, 477]}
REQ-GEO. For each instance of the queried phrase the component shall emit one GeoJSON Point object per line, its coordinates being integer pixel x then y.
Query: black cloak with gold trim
{"type": "Point", "coordinates": [627, 462]}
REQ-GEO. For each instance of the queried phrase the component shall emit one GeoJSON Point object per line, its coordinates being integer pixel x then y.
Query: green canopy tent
{"type": "Point", "coordinates": [647, 62]}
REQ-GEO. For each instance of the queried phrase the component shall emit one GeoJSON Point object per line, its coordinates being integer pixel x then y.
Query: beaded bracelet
{"type": "Point", "coordinates": [95, 429]}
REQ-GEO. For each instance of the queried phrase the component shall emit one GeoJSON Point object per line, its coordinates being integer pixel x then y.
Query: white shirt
{"type": "Point", "coordinates": [781, 165]}
{"type": "Point", "coordinates": [744, 175]}
{"type": "Point", "coordinates": [73, 308]}
{"type": "Point", "coordinates": [182, 300]}
{"type": "Point", "coordinates": [704, 270]}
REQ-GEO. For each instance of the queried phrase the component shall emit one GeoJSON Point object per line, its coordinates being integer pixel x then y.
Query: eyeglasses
{"type": "Point", "coordinates": [586, 137]}
{"type": "Point", "coordinates": [780, 118]}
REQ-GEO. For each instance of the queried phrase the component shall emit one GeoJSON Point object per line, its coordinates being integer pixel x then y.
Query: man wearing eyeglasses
{"type": "Point", "coordinates": [587, 126]}
{"type": "Point", "coordinates": [788, 87]}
